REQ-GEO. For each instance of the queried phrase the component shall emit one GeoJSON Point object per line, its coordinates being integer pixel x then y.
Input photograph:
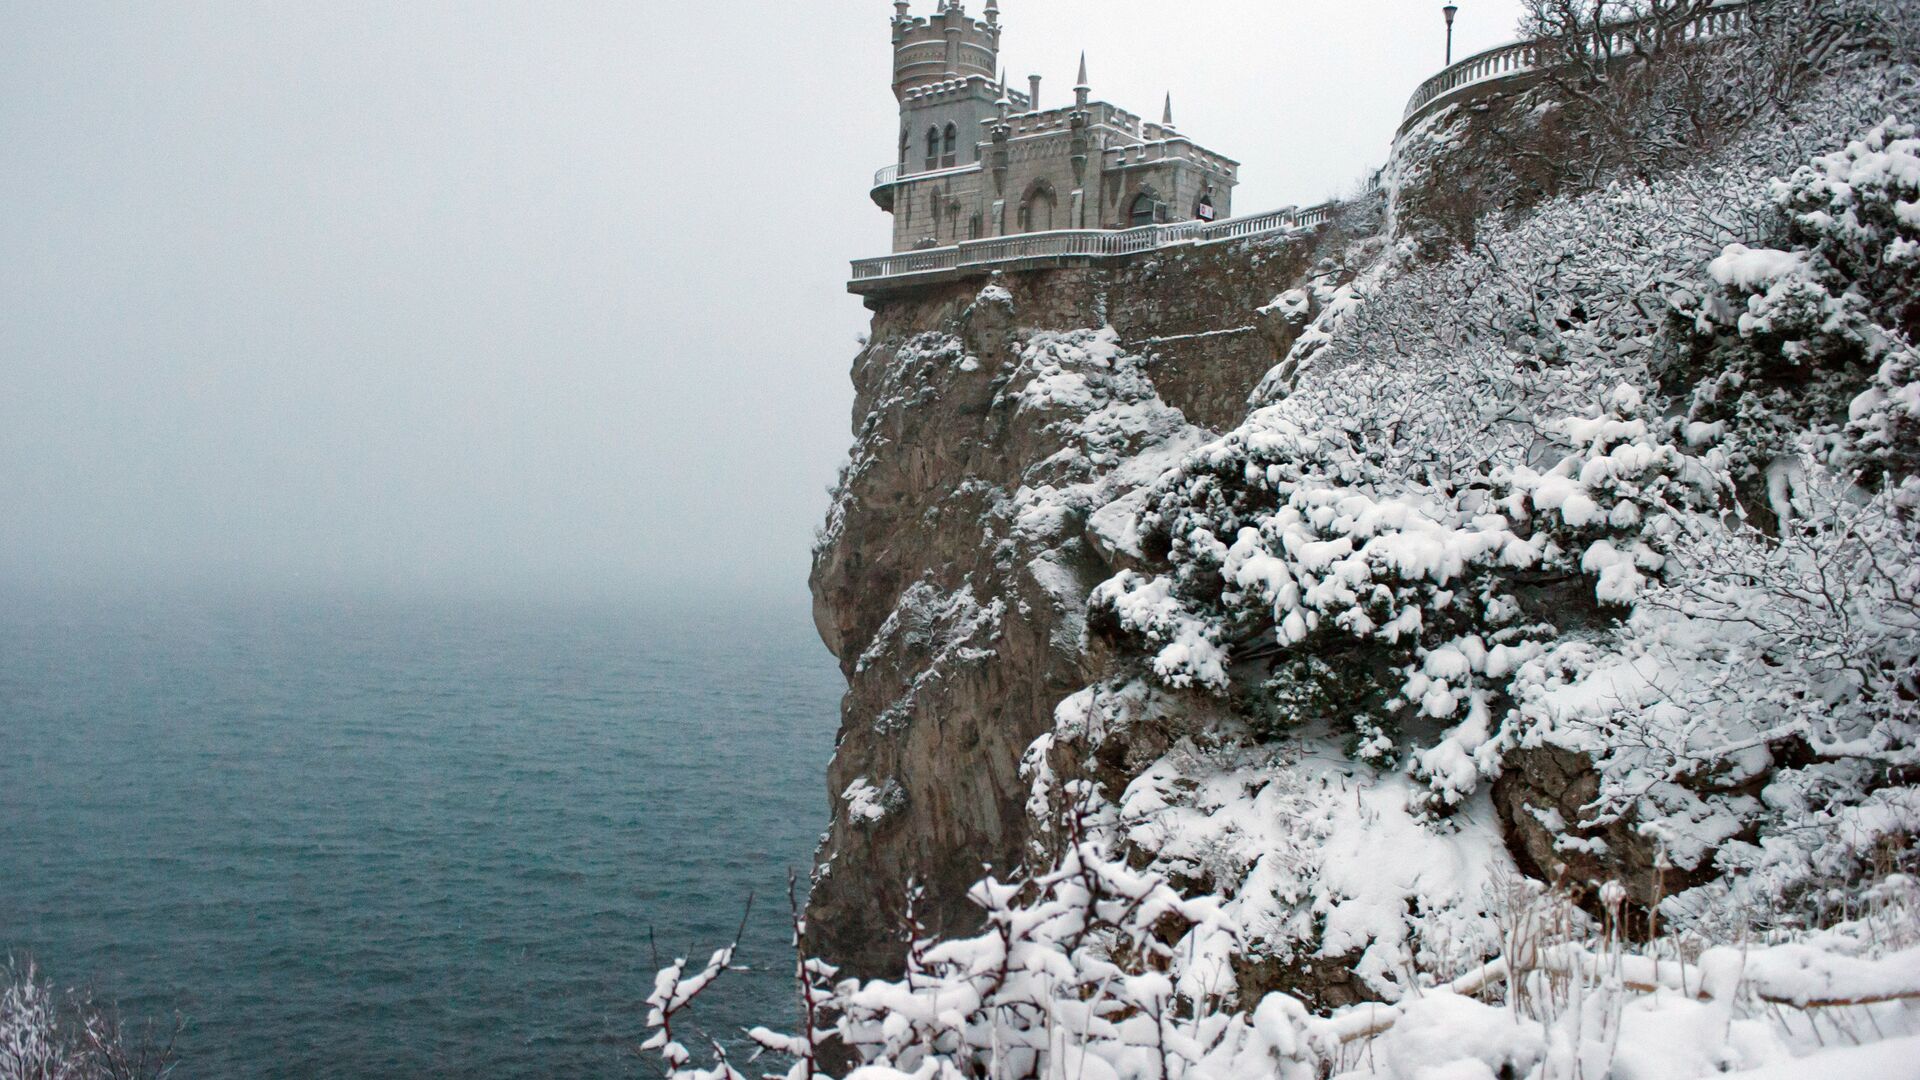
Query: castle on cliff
{"type": "Point", "coordinates": [977, 159]}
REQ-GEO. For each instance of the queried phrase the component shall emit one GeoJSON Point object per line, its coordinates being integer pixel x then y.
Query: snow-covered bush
{"type": "Point", "coordinates": [1814, 339]}
{"type": "Point", "coordinates": [1759, 714]}
{"type": "Point", "coordinates": [48, 1035]}
{"type": "Point", "coordinates": [1556, 493]}
{"type": "Point", "coordinates": [1098, 970]}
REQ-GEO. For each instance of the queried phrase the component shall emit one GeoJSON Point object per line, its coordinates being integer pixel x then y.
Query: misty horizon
{"type": "Point", "coordinates": [524, 300]}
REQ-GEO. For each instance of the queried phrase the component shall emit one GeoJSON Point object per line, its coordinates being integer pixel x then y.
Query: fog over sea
{"type": "Point", "coordinates": [370, 838]}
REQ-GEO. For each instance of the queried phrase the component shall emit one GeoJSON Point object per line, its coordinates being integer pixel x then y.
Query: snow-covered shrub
{"type": "Point", "coordinates": [1858, 210]}
{"type": "Point", "coordinates": [1499, 504]}
{"type": "Point", "coordinates": [47, 1035]}
{"type": "Point", "coordinates": [1093, 969]}
{"type": "Point", "coordinates": [1451, 449]}
{"type": "Point", "coordinates": [1759, 715]}
{"type": "Point", "coordinates": [1075, 978]}
{"type": "Point", "coordinates": [1815, 338]}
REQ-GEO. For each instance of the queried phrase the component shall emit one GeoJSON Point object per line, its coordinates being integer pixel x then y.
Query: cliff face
{"type": "Point", "coordinates": [1000, 429]}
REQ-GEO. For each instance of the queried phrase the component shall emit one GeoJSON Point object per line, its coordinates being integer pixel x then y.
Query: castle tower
{"type": "Point", "coordinates": [946, 76]}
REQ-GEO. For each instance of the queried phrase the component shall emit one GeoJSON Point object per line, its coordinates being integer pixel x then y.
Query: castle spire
{"type": "Point", "coordinates": [993, 12]}
{"type": "Point", "coordinates": [1005, 101]}
{"type": "Point", "coordinates": [1166, 117]}
{"type": "Point", "coordinates": [1081, 90]}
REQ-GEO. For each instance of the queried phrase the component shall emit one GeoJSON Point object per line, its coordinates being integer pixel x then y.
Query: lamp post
{"type": "Point", "coordinates": [1450, 11]}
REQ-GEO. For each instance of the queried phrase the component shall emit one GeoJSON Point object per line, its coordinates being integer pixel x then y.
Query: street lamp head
{"type": "Point", "coordinates": [1451, 10]}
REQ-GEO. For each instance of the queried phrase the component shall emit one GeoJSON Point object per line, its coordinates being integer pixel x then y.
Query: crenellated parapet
{"type": "Point", "coordinates": [943, 47]}
{"type": "Point", "coordinates": [970, 88]}
{"type": "Point", "coordinates": [1176, 149]}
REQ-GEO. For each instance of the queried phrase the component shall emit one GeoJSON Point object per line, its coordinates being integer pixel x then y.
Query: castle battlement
{"type": "Point", "coordinates": [947, 45]}
{"type": "Point", "coordinates": [965, 89]}
{"type": "Point", "coordinates": [1177, 148]}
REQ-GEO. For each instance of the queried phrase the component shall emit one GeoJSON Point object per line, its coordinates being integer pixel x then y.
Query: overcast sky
{"type": "Point", "coordinates": [520, 297]}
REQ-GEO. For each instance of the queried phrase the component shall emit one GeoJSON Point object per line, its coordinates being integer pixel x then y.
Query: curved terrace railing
{"type": "Point", "coordinates": [1086, 243]}
{"type": "Point", "coordinates": [894, 174]}
{"type": "Point", "coordinates": [1525, 57]}
{"type": "Point", "coordinates": [1496, 63]}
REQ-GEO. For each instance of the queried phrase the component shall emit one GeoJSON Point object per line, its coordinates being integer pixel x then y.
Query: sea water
{"type": "Point", "coordinates": [369, 838]}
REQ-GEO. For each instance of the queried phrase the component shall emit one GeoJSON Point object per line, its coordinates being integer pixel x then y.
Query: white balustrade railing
{"type": "Point", "coordinates": [1520, 58]}
{"type": "Point", "coordinates": [894, 174]}
{"type": "Point", "coordinates": [1496, 63]}
{"type": "Point", "coordinates": [1085, 243]}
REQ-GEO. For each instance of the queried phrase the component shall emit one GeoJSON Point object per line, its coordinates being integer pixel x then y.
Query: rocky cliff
{"type": "Point", "coordinates": [1000, 425]}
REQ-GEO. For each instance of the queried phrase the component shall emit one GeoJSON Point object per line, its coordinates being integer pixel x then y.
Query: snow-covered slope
{"type": "Point", "coordinates": [1528, 685]}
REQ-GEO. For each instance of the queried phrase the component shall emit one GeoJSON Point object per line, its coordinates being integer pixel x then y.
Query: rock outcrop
{"type": "Point", "coordinates": [999, 431]}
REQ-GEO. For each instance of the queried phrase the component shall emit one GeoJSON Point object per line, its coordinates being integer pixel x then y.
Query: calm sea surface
{"type": "Point", "coordinates": [371, 839]}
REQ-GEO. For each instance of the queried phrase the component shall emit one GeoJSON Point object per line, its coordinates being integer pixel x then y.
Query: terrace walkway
{"type": "Point", "coordinates": [1065, 247]}
{"type": "Point", "coordinates": [1507, 64]}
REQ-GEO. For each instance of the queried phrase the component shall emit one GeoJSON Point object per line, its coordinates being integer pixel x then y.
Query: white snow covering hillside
{"type": "Point", "coordinates": [1632, 483]}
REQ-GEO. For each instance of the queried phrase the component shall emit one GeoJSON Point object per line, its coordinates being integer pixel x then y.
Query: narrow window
{"type": "Point", "coordinates": [933, 148]}
{"type": "Point", "coordinates": [1036, 210]}
{"type": "Point", "coordinates": [952, 142]}
{"type": "Point", "coordinates": [1143, 207]}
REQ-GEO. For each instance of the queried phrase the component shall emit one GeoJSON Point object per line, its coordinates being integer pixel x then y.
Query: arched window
{"type": "Point", "coordinates": [1036, 210]}
{"type": "Point", "coordinates": [952, 141]}
{"type": "Point", "coordinates": [933, 148]}
{"type": "Point", "coordinates": [906, 143]}
{"type": "Point", "coordinates": [1144, 206]}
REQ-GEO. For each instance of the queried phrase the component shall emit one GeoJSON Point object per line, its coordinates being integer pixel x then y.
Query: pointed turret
{"type": "Point", "coordinates": [1081, 91]}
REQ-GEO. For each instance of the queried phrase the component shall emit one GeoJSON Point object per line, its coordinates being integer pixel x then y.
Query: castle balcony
{"type": "Point", "coordinates": [883, 185]}
{"type": "Point", "coordinates": [893, 176]}
{"type": "Point", "coordinates": [909, 270]}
